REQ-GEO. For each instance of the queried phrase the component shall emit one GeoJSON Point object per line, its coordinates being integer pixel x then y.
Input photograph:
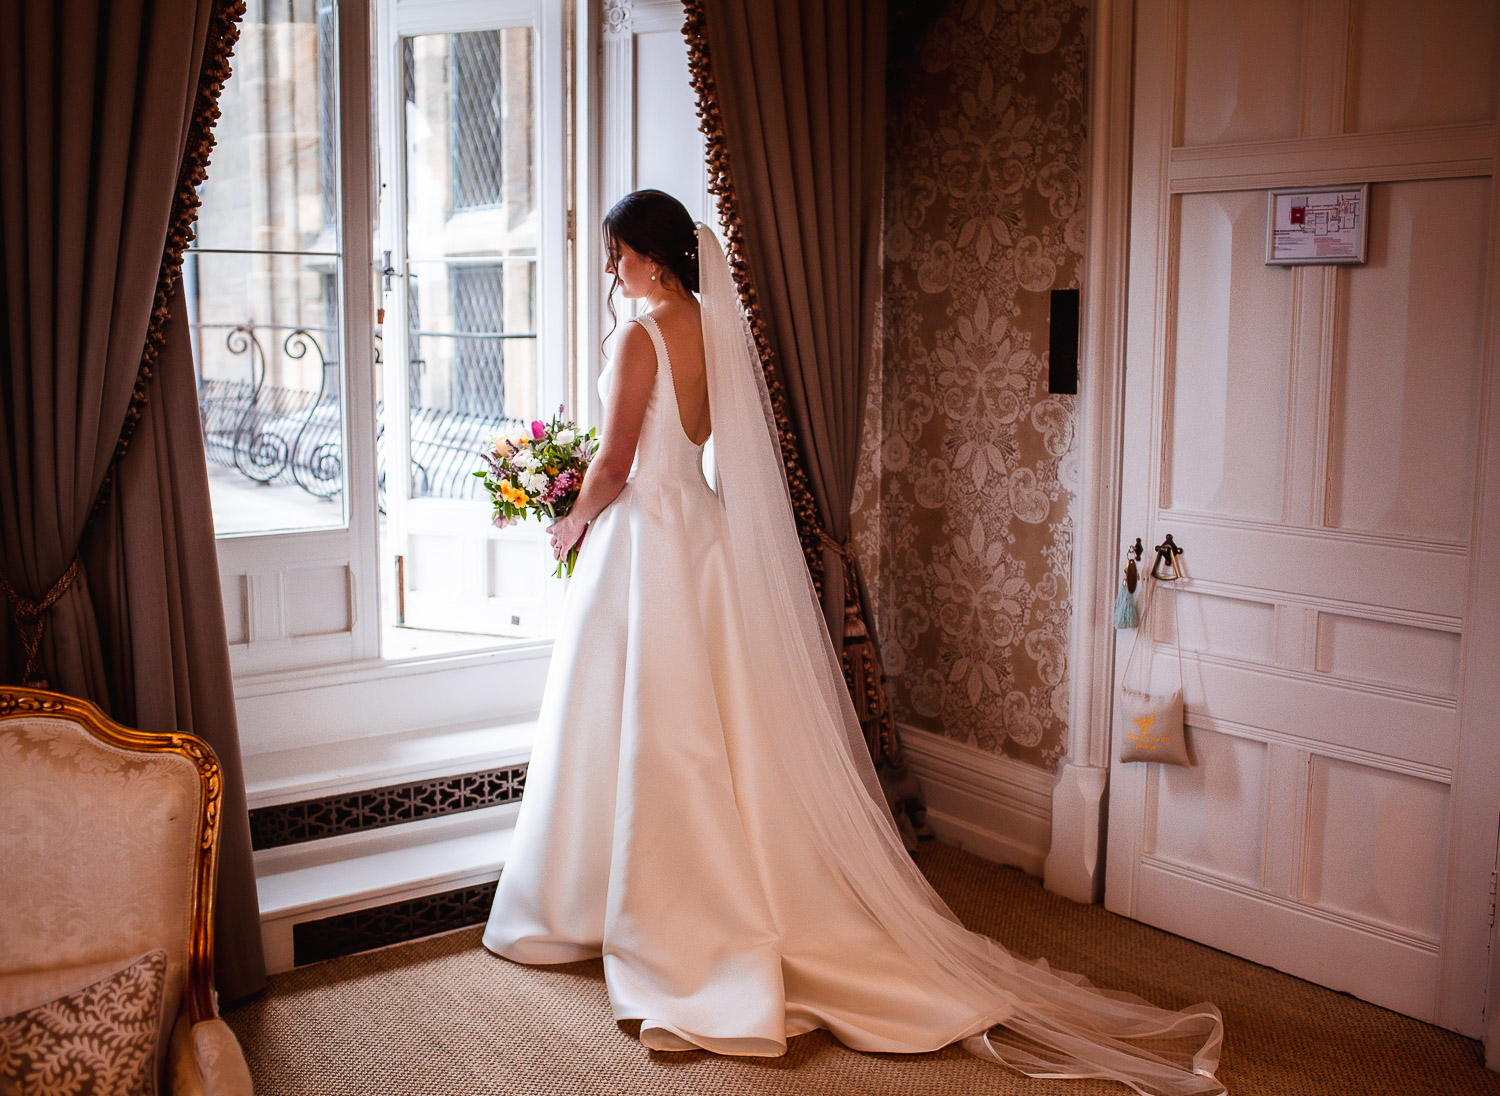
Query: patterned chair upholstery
{"type": "Point", "coordinates": [108, 850]}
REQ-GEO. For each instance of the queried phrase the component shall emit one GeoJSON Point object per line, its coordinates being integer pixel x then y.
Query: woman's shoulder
{"type": "Point", "coordinates": [677, 319]}
{"type": "Point", "coordinates": [673, 312]}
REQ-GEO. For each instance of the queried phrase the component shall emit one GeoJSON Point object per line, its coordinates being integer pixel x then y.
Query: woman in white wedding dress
{"type": "Point", "coordinates": [700, 810]}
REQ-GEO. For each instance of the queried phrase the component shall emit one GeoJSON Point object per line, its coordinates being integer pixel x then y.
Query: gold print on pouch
{"type": "Point", "coordinates": [1143, 737]}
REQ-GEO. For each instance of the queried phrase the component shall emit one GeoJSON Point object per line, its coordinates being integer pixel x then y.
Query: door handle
{"type": "Point", "coordinates": [1166, 553]}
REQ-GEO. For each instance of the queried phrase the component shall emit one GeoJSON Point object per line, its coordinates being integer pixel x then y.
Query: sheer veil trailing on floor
{"type": "Point", "coordinates": [1045, 1023]}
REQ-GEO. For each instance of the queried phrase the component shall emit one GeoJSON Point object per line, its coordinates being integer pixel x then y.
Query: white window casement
{"type": "Point", "coordinates": [381, 283]}
{"type": "Point", "coordinates": [474, 216]}
{"type": "Point", "coordinates": [280, 305]}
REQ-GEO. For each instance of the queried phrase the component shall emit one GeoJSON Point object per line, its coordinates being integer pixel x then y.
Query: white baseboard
{"type": "Point", "coordinates": [990, 805]}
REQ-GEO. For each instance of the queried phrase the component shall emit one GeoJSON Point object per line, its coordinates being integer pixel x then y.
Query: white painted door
{"type": "Point", "coordinates": [1311, 437]}
{"type": "Point", "coordinates": [475, 214]}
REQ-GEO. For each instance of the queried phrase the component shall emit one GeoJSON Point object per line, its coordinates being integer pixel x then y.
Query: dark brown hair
{"type": "Point", "coordinates": [655, 225]}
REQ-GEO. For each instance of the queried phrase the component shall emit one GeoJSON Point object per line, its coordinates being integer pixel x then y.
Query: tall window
{"type": "Point", "coordinates": [262, 280]}
{"type": "Point", "coordinates": [336, 439]}
{"type": "Point", "coordinates": [471, 242]}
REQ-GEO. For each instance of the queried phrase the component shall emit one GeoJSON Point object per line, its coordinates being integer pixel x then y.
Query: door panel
{"type": "Point", "coordinates": [1310, 438]}
{"type": "Point", "coordinates": [1406, 386]}
{"type": "Point", "coordinates": [1423, 64]}
{"type": "Point", "coordinates": [1260, 47]}
{"type": "Point", "coordinates": [1227, 841]}
{"type": "Point", "coordinates": [1365, 854]}
{"type": "Point", "coordinates": [1228, 396]}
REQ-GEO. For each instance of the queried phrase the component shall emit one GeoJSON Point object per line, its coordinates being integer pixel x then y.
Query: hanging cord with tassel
{"type": "Point", "coordinates": [1126, 614]}
{"type": "Point", "coordinates": [31, 620]}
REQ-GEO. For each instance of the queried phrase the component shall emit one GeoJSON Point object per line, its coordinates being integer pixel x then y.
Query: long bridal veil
{"type": "Point", "coordinates": [1042, 1022]}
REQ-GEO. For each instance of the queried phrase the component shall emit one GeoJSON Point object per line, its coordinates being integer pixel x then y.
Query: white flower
{"type": "Point", "coordinates": [565, 437]}
{"type": "Point", "coordinates": [535, 482]}
{"type": "Point", "coordinates": [500, 442]}
{"type": "Point", "coordinates": [524, 459]}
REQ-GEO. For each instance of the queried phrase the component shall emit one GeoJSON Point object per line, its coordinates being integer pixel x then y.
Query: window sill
{"type": "Point", "coordinates": [372, 669]}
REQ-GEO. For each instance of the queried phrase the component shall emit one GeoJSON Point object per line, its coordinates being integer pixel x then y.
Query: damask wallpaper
{"type": "Point", "coordinates": [963, 509]}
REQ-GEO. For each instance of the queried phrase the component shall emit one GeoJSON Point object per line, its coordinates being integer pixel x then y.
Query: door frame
{"type": "Point", "coordinates": [1476, 767]}
{"type": "Point", "coordinates": [1075, 863]}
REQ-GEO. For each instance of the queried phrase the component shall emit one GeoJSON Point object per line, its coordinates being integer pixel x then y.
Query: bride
{"type": "Point", "coordinates": [700, 808]}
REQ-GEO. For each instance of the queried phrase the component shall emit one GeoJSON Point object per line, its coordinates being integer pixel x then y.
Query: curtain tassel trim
{"type": "Point", "coordinates": [223, 33]}
{"type": "Point", "coordinates": [862, 670]}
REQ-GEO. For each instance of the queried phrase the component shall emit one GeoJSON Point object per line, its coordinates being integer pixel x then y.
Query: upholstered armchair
{"type": "Point", "coordinates": [108, 851]}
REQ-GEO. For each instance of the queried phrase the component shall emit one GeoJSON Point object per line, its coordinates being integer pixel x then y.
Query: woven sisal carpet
{"type": "Point", "coordinates": [444, 1017]}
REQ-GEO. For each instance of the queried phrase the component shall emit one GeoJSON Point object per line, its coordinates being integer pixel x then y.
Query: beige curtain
{"type": "Point", "coordinates": [106, 111]}
{"type": "Point", "coordinates": [792, 97]}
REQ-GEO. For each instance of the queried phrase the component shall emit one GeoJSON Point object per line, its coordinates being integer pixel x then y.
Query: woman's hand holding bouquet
{"type": "Point", "coordinates": [540, 471]}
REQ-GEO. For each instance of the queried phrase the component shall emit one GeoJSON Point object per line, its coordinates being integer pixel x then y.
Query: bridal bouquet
{"type": "Point", "coordinates": [538, 471]}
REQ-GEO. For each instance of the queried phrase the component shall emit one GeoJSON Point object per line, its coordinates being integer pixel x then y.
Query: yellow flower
{"type": "Point", "coordinates": [551, 469]}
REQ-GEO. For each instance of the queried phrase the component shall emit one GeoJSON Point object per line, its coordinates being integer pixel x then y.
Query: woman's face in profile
{"type": "Point", "coordinates": [632, 268]}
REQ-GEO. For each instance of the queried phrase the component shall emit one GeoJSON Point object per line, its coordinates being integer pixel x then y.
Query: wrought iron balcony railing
{"type": "Point", "coordinates": [274, 434]}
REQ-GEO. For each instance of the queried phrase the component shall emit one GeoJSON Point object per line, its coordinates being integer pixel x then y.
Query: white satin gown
{"type": "Point", "coordinates": [655, 829]}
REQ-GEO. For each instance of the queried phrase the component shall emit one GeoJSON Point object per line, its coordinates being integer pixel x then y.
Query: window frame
{"type": "Point", "coordinates": [261, 572]}
{"type": "Point", "coordinates": [264, 574]}
{"type": "Point", "coordinates": [549, 23]}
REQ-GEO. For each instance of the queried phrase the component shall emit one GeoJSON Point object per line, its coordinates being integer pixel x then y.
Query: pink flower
{"type": "Point", "coordinates": [538, 429]}
{"type": "Point", "coordinates": [501, 521]}
{"type": "Point", "coordinates": [560, 486]}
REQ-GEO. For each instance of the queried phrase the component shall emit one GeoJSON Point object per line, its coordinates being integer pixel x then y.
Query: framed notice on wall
{"type": "Point", "coordinates": [1317, 224]}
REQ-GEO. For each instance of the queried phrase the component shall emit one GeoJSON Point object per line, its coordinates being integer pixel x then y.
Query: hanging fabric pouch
{"type": "Point", "coordinates": [1153, 721]}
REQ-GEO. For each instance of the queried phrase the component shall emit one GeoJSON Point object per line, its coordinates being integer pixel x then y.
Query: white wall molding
{"type": "Point", "coordinates": [991, 805]}
{"type": "Point", "coordinates": [657, 16]}
{"type": "Point", "coordinates": [1438, 152]}
{"type": "Point", "coordinates": [1073, 864]}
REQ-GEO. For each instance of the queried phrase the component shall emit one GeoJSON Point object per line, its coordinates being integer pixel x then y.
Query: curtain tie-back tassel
{"type": "Point", "coordinates": [31, 619]}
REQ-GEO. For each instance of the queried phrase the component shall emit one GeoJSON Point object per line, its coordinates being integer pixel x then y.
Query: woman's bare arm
{"type": "Point", "coordinates": [624, 414]}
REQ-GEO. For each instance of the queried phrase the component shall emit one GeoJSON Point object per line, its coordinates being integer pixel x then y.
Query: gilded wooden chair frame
{"type": "Point", "coordinates": [21, 703]}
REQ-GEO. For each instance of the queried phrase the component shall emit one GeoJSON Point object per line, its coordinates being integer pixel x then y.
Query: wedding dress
{"type": "Point", "coordinates": [701, 811]}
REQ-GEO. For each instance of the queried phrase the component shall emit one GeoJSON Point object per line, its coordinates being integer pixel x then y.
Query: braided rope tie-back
{"type": "Point", "coordinates": [862, 670]}
{"type": "Point", "coordinates": [853, 625]}
{"type": "Point", "coordinates": [31, 619]}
